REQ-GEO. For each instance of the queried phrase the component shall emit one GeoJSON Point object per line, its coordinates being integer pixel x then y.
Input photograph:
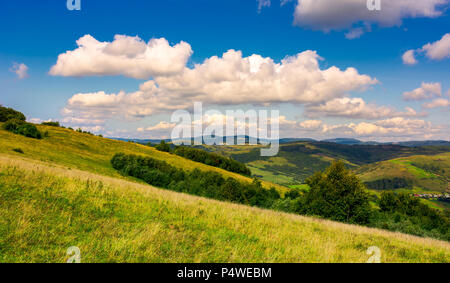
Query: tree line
{"type": "Point", "coordinates": [212, 159]}
{"type": "Point", "coordinates": [202, 156]}
{"type": "Point", "coordinates": [390, 184]}
{"type": "Point", "coordinates": [197, 182]}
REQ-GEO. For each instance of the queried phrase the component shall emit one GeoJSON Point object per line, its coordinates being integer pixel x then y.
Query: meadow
{"type": "Point", "coordinates": [48, 208]}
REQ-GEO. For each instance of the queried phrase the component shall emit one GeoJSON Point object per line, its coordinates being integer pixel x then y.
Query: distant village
{"type": "Point", "coordinates": [442, 197]}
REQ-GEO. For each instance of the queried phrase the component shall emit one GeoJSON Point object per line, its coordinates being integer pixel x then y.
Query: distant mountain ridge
{"type": "Point", "coordinates": [405, 143]}
{"type": "Point", "coordinates": [345, 141]}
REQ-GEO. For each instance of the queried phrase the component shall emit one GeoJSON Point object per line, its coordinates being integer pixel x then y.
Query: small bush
{"type": "Point", "coordinates": [22, 128]}
{"type": "Point", "coordinates": [30, 131]}
{"type": "Point", "coordinates": [18, 150]}
{"type": "Point", "coordinates": [51, 124]}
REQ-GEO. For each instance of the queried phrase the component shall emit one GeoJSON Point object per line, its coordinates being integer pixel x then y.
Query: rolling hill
{"type": "Point", "coordinates": [424, 173]}
{"type": "Point", "coordinates": [91, 153]}
{"type": "Point", "coordinates": [62, 191]}
{"type": "Point", "coordinates": [298, 160]}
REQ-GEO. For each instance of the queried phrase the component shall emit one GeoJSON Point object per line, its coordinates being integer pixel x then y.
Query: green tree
{"type": "Point", "coordinates": [163, 146]}
{"type": "Point", "coordinates": [337, 194]}
{"type": "Point", "coordinates": [9, 113]}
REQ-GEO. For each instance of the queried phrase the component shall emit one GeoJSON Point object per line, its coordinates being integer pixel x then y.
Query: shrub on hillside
{"type": "Point", "coordinates": [18, 150]}
{"type": "Point", "coordinates": [51, 124]}
{"type": "Point", "coordinates": [9, 114]}
{"type": "Point", "coordinates": [29, 130]}
{"type": "Point", "coordinates": [337, 194]}
{"type": "Point", "coordinates": [22, 128]}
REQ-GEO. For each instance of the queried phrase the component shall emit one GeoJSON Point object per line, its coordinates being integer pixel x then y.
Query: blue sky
{"type": "Point", "coordinates": [34, 33]}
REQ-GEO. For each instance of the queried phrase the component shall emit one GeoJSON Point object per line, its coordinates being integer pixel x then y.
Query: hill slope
{"type": "Point", "coordinates": [425, 173]}
{"type": "Point", "coordinates": [46, 209]}
{"type": "Point", "coordinates": [92, 153]}
{"type": "Point", "coordinates": [298, 160]}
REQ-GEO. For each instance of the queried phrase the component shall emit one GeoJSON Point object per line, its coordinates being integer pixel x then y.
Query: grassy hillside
{"type": "Point", "coordinates": [426, 173]}
{"type": "Point", "coordinates": [47, 208]}
{"type": "Point", "coordinates": [92, 153]}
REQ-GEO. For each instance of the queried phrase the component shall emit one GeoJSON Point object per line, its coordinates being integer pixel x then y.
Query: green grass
{"type": "Point", "coordinates": [272, 177]}
{"type": "Point", "coordinates": [298, 160]}
{"type": "Point", "coordinates": [412, 168]}
{"type": "Point", "coordinates": [303, 187]}
{"type": "Point", "coordinates": [46, 209]}
{"type": "Point", "coordinates": [417, 172]}
{"type": "Point", "coordinates": [286, 168]}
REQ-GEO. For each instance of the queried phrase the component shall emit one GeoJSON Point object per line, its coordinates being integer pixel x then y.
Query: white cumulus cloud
{"type": "Point", "coordinates": [409, 58]}
{"type": "Point", "coordinates": [128, 56]}
{"type": "Point", "coordinates": [438, 50]}
{"type": "Point", "coordinates": [162, 125]}
{"type": "Point", "coordinates": [388, 129]}
{"type": "Point", "coordinates": [356, 108]}
{"type": "Point", "coordinates": [439, 102]}
{"type": "Point", "coordinates": [328, 15]}
{"type": "Point", "coordinates": [227, 80]}
{"type": "Point", "coordinates": [426, 91]}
